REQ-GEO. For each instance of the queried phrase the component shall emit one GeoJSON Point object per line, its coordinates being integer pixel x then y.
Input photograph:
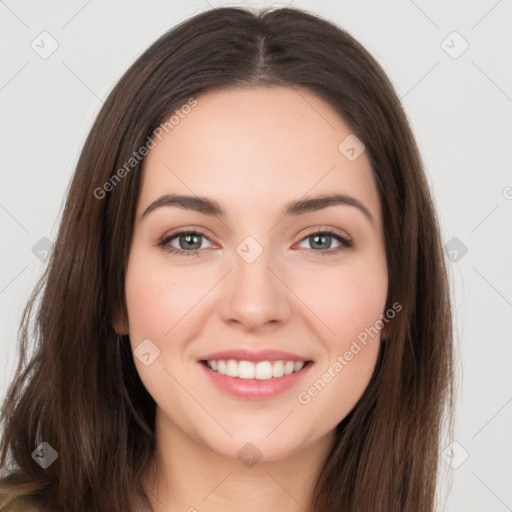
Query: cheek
{"type": "Point", "coordinates": [157, 296]}
{"type": "Point", "coordinates": [352, 311]}
{"type": "Point", "coordinates": [347, 301]}
{"type": "Point", "coordinates": [146, 303]}
{"type": "Point", "coordinates": [350, 303]}
{"type": "Point", "coordinates": [360, 302]}
{"type": "Point", "coordinates": [354, 348]}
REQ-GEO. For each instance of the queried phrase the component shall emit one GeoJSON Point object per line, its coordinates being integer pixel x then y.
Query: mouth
{"type": "Point", "coordinates": [252, 376]}
{"type": "Point", "coordinates": [262, 370]}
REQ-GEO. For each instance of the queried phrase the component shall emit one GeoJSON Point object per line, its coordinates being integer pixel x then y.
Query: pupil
{"type": "Point", "coordinates": [325, 245]}
{"type": "Point", "coordinates": [188, 239]}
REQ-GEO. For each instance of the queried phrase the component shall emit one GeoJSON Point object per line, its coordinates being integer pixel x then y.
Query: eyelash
{"type": "Point", "coordinates": [163, 243]}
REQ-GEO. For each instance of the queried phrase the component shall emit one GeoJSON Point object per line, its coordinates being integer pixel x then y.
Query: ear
{"type": "Point", "coordinates": [119, 323]}
{"type": "Point", "coordinates": [384, 332]}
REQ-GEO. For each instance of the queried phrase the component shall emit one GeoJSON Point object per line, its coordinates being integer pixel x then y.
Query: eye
{"type": "Point", "coordinates": [322, 240]}
{"type": "Point", "coordinates": [189, 243]}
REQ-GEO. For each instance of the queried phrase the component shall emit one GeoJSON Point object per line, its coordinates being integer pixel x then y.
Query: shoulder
{"type": "Point", "coordinates": [19, 504]}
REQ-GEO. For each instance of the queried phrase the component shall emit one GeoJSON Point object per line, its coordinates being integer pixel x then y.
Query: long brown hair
{"type": "Point", "coordinates": [79, 391]}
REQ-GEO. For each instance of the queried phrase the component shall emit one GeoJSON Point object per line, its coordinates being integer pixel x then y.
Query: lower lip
{"type": "Point", "coordinates": [254, 389]}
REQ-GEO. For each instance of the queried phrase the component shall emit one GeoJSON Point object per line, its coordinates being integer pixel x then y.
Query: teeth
{"type": "Point", "coordinates": [298, 366]}
{"type": "Point", "coordinates": [289, 366]}
{"type": "Point", "coordinates": [232, 368]}
{"type": "Point", "coordinates": [278, 369]}
{"type": "Point", "coordinates": [246, 370]}
{"type": "Point", "coordinates": [263, 370]}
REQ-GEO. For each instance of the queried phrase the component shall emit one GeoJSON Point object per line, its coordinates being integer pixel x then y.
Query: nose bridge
{"type": "Point", "coordinates": [255, 296]}
{"type": "Point", "coordinates": [251, 271]}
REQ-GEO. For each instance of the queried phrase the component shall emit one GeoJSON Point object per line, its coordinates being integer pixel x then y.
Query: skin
{"type": "Point", "coordinates": [252, 150]}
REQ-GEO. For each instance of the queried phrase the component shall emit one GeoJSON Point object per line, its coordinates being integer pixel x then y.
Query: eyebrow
{"type": "Point", "coordinates": [294, 208]}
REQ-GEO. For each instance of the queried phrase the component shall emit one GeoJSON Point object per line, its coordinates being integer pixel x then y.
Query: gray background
{"type": "Point", "coordinates": [459, 106]}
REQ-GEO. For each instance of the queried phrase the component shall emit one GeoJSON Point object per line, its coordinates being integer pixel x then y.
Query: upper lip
{"type": "Point", "coordinates": [254, 356]}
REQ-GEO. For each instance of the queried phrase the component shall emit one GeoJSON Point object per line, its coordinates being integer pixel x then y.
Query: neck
{"type": "Point", "coordinates": [185, 475]}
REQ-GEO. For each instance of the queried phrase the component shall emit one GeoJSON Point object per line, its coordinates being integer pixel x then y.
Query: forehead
{"type": "Point", "coordinates": [257, 146]}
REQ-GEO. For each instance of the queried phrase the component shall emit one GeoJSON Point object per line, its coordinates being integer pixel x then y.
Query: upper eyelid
{"type": "Point", "coordinates": [191, 231]}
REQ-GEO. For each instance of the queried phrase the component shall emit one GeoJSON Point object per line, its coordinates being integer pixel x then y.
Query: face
{"type": "Point", "coordinates": [242, 286]}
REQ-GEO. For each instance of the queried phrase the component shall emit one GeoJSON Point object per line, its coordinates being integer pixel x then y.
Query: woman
{"type": "Point", "coordinates": [247, 304]}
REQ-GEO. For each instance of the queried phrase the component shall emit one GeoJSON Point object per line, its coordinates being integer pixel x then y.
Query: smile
{"type": "Point", "coordinates": [263, 370]}
{"type": "Point", "coordinates": [254, 380]}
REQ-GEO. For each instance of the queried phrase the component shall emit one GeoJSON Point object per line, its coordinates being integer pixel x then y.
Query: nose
{"type": "Point", "coordinates": [255, 298]}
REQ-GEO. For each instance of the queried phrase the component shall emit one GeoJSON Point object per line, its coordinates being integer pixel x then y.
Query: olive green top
{"type": "Point", "coordinates": [22, 504]}
{"type": "Point", "coordinates": [146, 505]}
